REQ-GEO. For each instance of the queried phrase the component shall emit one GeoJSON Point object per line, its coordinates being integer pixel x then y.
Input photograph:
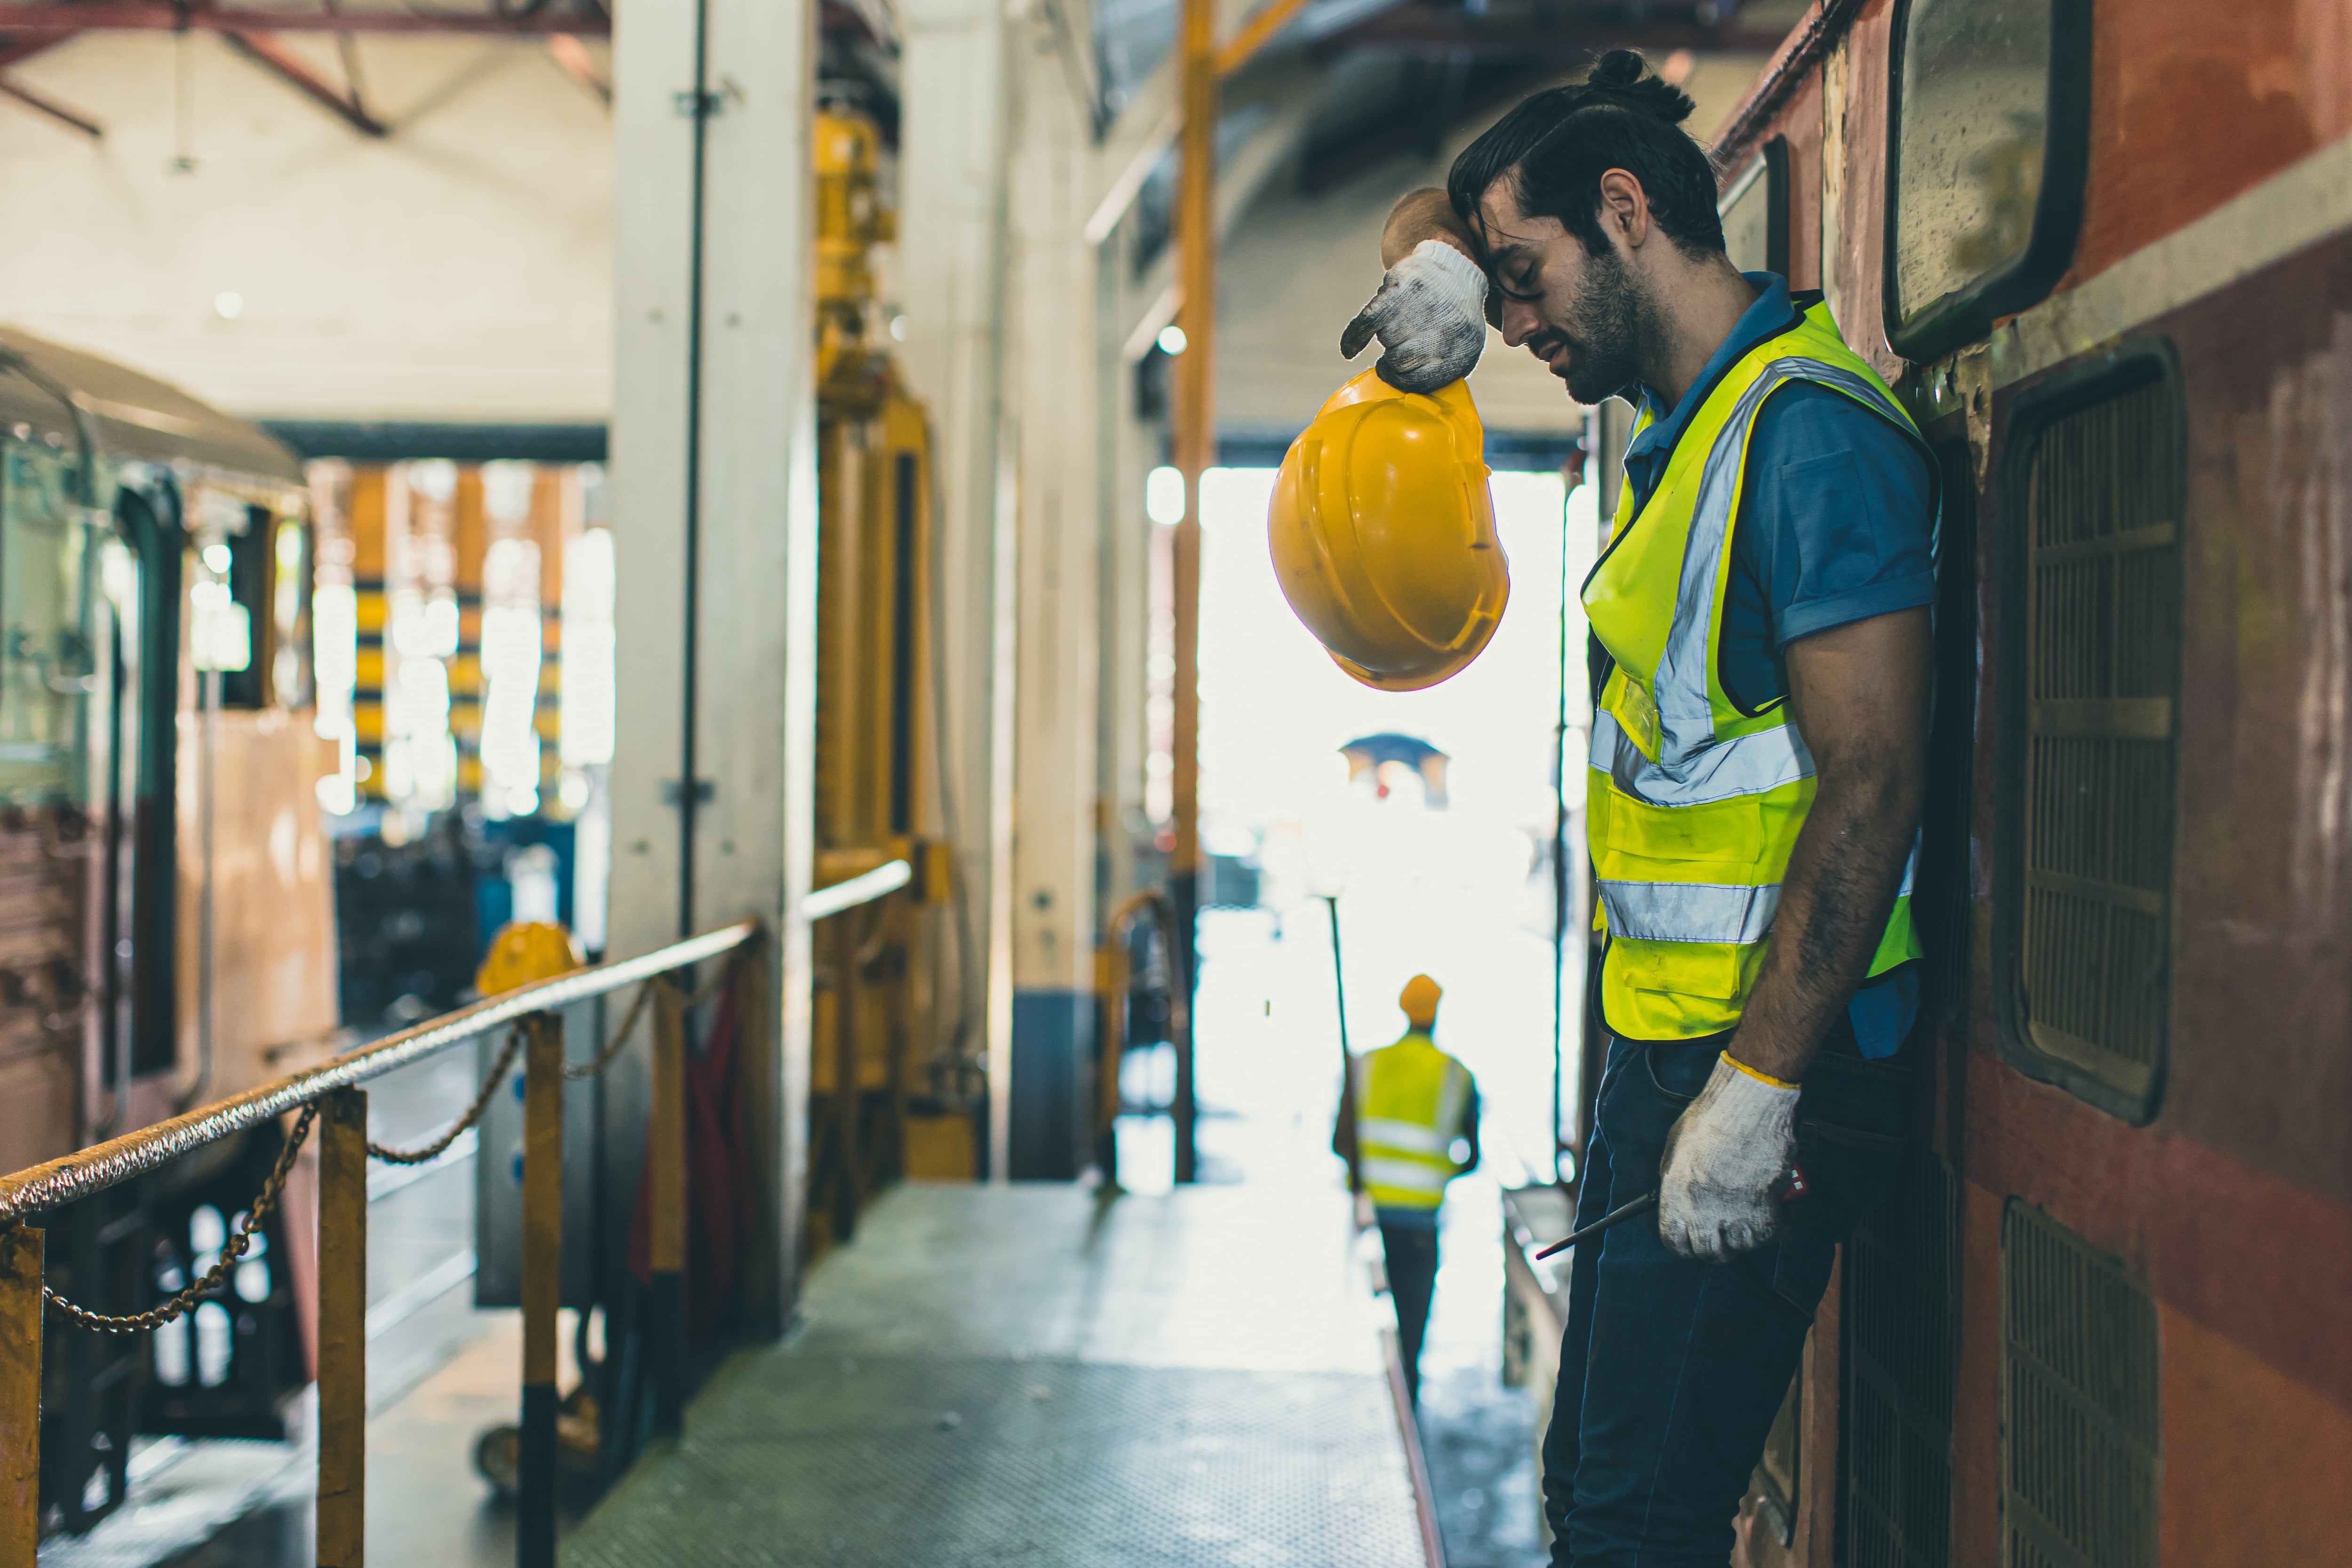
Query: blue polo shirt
{"type": "Point", "coordinates": [1837, 524]}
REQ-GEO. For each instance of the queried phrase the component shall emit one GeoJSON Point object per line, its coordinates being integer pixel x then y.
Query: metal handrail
{"type": "Point", "coordinates": [887, 878]}
{"type": "Point", "coordinates": [331, 1097]}
{"type": "Point", "coordinates": [102, 1165]}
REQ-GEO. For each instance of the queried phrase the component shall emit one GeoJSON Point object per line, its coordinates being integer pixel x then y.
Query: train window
{"type": "Point", "coordinates": [2080, 1422]}
{"type": "Point", "coordinates": [1756, 212]}
{"type": "Point", "coordinates": [1986, 148]}
{"type": "Point", "coordinates": [46, 654]}
{"type": "Point", "coordinates": [245, 644]}
{"type": "Point", "coordinates": [2093, 617]}
{"type": "Point", "coordinates": [291, 678]}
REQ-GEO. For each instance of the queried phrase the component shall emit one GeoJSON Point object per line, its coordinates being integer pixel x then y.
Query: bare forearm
{"type": "Point", "coordinates": [1858, 695]}
{"type": "Point", "coordinates": [1841, 881]}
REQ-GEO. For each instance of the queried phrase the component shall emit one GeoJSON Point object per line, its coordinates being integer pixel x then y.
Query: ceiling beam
{"type": "Point", "coordinates": [344, 102]}
{"type": "Point", "coordinates": [53, 108]}
{"type": "Point", "coordinates": [56, 18]}
{"type": "Point", "coordinates": [1423, 28]}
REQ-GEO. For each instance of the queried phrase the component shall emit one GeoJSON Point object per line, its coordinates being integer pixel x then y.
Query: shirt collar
{"type": "Point", "coordinates": [1767, 316]}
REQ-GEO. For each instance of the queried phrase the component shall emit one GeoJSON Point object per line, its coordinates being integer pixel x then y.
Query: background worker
{"type": "Point", "coordinates": [1403, 1112]}
{"type": "Point", "coordinates": [1762, 677]}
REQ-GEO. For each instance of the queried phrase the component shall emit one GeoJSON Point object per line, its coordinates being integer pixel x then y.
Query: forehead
{"type": "Point", "coordinates": [1504, 230]}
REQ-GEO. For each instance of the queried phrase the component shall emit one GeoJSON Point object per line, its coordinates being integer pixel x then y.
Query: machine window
{"type": "Point", "coordinates": [1985, 164]}
{"type": "Point", "coordinates": [2089, 824]}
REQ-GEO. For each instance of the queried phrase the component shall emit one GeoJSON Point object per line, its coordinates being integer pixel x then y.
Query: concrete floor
{"type": "Point", "coordinates": [1167, 1293]}
{"type": "Point", "coordinates": [1038, 1376]}
{"type": "Point", "coordinates": [1477, 1436]}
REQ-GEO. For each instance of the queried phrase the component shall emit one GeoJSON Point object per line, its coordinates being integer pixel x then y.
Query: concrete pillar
{"type": "Point", "coordinates": [951, 217]}
{"type": "Point", "coordinates": [713, 481]}
{"type": "Point", "coordinates": [1052, 371]}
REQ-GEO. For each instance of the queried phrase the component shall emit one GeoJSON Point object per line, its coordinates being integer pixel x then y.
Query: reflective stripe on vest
{"type": "Point", "coordinates": [1409, 1101]}
{"type": "Point", "coordinates": [1693, 804]}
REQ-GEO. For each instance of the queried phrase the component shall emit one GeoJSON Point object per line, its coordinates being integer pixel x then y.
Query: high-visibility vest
{"type": "Point", "coordinates": [1409, 1100]}
{"type": "Point", "coordinates": [1693, 803]}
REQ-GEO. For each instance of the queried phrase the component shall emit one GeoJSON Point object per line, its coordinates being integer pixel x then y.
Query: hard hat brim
{"type": "Point", "coordinates": [1418, 681]}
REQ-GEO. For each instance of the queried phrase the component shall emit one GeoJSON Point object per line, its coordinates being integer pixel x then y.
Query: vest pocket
{"type": "Point", "coordinates": [1720, 841]}
{"type": "Point", "coordinates": [1670, 968]}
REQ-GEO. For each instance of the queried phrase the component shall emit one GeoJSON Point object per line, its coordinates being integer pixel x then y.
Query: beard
{"type": "Point", "coordinates": [1609, 328]}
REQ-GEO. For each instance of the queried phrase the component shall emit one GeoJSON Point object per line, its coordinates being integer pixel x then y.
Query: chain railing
{"type": "Point", "coordinates": [330, 1099]}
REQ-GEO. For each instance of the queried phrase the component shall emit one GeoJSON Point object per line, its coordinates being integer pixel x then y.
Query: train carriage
{"type": "Point", "coordinates": [2104, 255]}
{"type": "Point", "coordinates": [167, 928]}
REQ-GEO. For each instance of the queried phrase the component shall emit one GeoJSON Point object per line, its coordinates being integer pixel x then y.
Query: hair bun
{"type": "Point", "coordinates": [1621, 78]}
{"type": "Point", "coordinates": [1618, 68]}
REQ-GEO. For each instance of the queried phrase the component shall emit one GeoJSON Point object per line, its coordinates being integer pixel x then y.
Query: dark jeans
{"type": "Point", "coordinates": [1671, 1372]}
{"type": "Point", "coordinates": [1412, 1265]}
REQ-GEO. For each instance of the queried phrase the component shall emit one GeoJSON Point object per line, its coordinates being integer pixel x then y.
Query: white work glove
{"type": "Point", "coordinates": [1726, 1158]}
{"type": "Point", "coordinates": [1430, 314]}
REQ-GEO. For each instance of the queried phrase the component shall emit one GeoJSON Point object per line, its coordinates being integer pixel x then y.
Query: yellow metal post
{"type": "Point", "coordinates": [542, 1281]}
{"type": "Point", "coordinates": [342, 1329]}
{"type": "Point", "coordinates": [20, 1395]}
{"type": "Point", "coordinates": [665, 1181]}
{"type": "Point", "coordinates": [1196, 449]}
{"type": "Point", "coordinates": [1258, 31]}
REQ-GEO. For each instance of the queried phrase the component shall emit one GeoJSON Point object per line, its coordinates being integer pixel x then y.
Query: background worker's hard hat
{"type": "Point", "coordinates": [1383, 533]}
{"type": "Point", "coordinates": [1420, 999]}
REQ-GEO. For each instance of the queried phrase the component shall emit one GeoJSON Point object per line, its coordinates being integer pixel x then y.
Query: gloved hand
{"type": "Point", "coordinates": [1430, 314]}
{"type": "Point", "coordinates": [1724, 1157]}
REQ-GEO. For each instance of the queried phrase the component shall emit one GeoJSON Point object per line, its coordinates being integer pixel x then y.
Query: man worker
{"type": "Point", "coordinates": [1760, 622]}
{"type": "Point", "coordinates": [1405, 1109]}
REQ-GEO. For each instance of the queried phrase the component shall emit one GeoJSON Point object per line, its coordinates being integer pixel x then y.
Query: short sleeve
{"type": "Point", "coordinates": [1839, 524]}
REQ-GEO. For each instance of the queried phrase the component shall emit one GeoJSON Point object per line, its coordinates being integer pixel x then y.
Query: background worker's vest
{"type": "Point", "coordinates": [1409, 1100]}
{"type": "Point", "coordinates": [1693, 804]}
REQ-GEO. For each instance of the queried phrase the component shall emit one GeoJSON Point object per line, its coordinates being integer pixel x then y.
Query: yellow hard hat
{"type": "Point", "coordinates": [1383, 533]}
{"type": "Point", "coordinates": [1420, 1000]}
{"type": "Point", "coordinates": [525, 951]}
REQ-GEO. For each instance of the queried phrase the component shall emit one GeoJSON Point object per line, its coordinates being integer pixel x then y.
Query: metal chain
{"type": "Point", "coordinates": [440, 1145]}
{"type": "Point", "coordinates": [604, 1058]}
{"type": "Point", "coordinates": [575, 1071]}
{"type": "Point", "coordinates": [239, 1245]}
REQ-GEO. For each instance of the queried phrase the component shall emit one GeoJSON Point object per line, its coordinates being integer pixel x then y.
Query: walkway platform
{"type": "Point", "coordinates": [1025, 1378]}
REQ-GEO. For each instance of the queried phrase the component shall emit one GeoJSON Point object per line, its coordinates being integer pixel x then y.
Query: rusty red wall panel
{"type": "Point", "coordinates": [2262, 1032]}
{"type": "Point", "coordinates": [1801, 124]}
{"type": "Point", "coordinates": [2191, 106]}
{"type": "Point", "coordinates": [1858, 265]}
{"type": "Point", "coordinates": [2235, 1205]}
{"type": "Point", "coordinates": [2253, 1462]}
{"type": "Point", "coordinates": [1975, 1384]}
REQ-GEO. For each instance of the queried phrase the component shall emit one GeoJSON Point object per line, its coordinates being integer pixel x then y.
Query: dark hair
{"type": "Point", "coordinates": [1555, 145]}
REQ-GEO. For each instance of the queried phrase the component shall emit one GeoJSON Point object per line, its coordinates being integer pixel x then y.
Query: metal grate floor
{"type": "Point", "coordinates": [1017, 1442]}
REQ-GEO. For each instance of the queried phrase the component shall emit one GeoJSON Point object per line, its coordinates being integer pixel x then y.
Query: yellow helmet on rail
{"type": "Point", "coordinates": [1383, 533]}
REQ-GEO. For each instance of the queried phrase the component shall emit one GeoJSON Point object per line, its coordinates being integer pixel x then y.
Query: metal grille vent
{"type": "Point", "coordinates": [2102, 658]}
{"type": "Point", "coordinates": [2080, 1423]}
{"type": "Point", "coordinates": [1901, 1316]}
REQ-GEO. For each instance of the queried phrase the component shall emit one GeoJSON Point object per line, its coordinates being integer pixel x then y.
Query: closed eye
{"type": "Point", "coordinates": [1518, 281]}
